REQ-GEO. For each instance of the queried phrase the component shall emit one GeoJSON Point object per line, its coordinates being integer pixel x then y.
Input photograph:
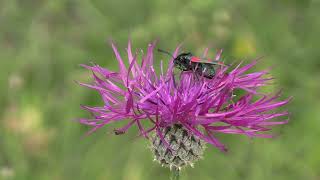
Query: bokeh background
{"type": "Point", "coordinates": [43, 42]}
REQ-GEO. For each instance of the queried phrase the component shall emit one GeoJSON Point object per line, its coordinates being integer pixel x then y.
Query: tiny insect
{"type": "Point", "coordinates": [201, 66]}
{"type": "Point", "coordinates": [118, 132]}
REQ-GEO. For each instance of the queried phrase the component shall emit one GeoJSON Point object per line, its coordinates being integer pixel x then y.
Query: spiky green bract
{"type": "Point", "coordinates": [184, 148]}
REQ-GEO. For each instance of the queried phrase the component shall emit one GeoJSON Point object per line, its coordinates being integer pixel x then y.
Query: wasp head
{"type": "Point", "coordinates": [183, 61]}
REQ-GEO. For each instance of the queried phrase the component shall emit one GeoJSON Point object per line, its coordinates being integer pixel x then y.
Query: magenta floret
{"type": "Point", "coordinates": [203, 106]}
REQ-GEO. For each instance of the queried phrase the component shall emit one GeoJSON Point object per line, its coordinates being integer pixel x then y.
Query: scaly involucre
{"type": "Point", "coordinates": [202, 106]}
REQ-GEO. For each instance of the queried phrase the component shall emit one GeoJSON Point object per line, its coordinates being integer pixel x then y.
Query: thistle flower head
{"type": "Point", "coordinates": [200, 106]}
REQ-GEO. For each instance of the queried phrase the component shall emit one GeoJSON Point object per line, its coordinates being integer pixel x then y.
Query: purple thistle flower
{"type": "Point", "coordinates": [202, 106]}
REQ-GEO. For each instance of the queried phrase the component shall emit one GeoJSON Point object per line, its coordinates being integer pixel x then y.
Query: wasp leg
{"type": "Point", "coordinates": [203, 73]}
{"type": "Point", "coordinates": [197, 76]}
{"type": "Point", "coordinates": [194, 70]}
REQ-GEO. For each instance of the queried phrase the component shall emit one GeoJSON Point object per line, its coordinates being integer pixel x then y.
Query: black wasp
{"type": "Point", "coordinates": [201, 66]}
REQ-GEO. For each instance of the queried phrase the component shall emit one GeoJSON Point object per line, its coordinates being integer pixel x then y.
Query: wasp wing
{"type": "Point", "coordinates": [206, 61]}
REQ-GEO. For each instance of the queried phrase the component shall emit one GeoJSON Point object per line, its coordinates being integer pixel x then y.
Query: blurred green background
{"type": "Point", "coordinates": [42, 43]}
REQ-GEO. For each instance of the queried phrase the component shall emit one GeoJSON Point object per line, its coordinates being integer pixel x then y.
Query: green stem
{"type": "Point", "coordinates": [175, 174]}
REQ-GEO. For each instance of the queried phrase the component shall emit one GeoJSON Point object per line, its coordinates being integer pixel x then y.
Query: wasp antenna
{"type": "Point", "coordinates": [165, 52]}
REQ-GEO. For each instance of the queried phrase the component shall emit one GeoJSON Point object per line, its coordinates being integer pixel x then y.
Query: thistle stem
{"type": "Point", "coordinates": [175, 174]}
